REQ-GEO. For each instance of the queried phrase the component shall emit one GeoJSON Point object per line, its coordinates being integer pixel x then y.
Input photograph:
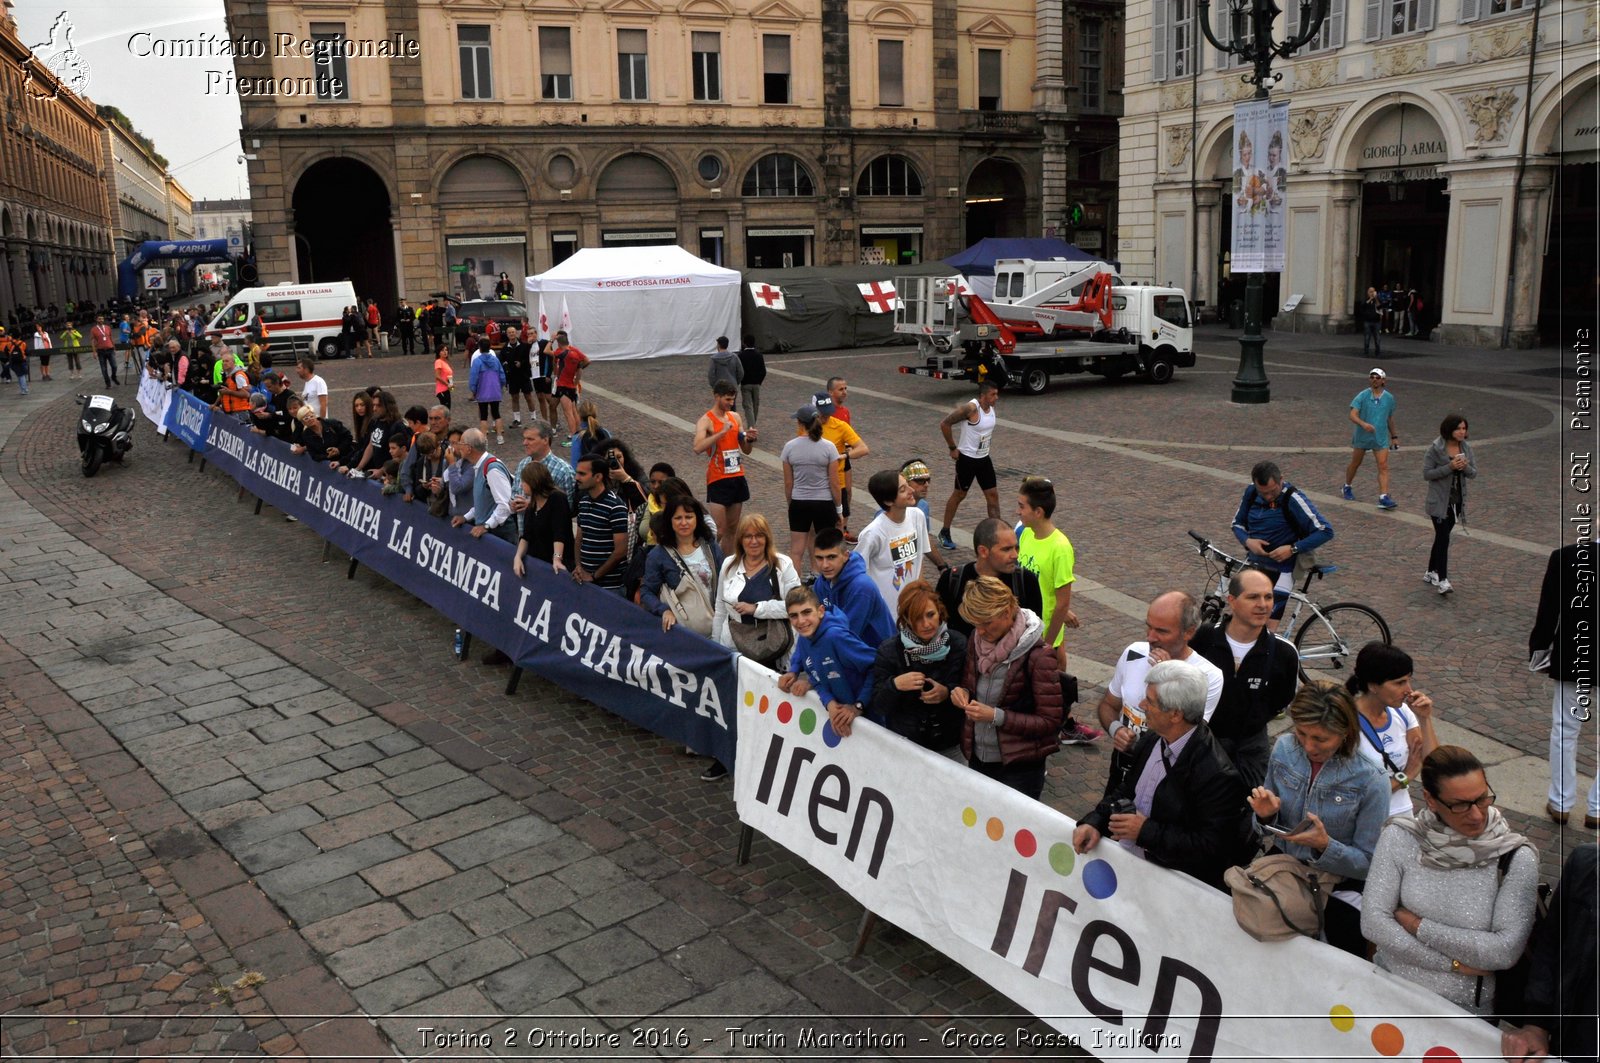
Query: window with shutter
{"type": "Point", "coordinates": [633, 80]}
{"type": "Point", "coordinates": [1158, 40]}
{"type": "Point", "coordinates": [472, 45]}
{"type": "Point", "coordinates": [706, 59]}
{"type": "Point", "coordinates": [891, 74]}
{"type": "Point", "coordinates": [989, 79]}
{"type": "Point", "coordinates": [775, 84]}
{"type": "Point", "coordinates": [555, 62]}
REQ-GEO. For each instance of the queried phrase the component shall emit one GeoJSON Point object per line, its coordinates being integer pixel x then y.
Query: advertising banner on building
{"type": "Point", "coordinates": [1124, 959]}
{"type": "Point", "coordinates": [1260, 185]}
{"type": "Point", "coordinates": [476, 263]}
{"type": "Point", "coordinates": [675, 683]}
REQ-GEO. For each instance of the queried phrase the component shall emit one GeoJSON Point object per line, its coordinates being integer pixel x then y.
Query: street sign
{"type": "Point", "coordinates": [460, 267]}
{"type": "Point", "coordinates": [155, 280]}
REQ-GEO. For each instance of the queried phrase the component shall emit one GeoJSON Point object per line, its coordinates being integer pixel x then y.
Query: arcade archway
{"type": "Point", "coordinates": [997, 201]}
{"type": "Point", "coordinates": [342, 229]}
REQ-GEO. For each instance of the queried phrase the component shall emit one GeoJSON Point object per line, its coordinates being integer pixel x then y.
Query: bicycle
{"type": "Point", "coordinates": [1324, 644]}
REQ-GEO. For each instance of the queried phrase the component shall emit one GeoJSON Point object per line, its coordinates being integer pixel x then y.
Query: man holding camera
{"type": "Point", "coordinates": [1180, 804]}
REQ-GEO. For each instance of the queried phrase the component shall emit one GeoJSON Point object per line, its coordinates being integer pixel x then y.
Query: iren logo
{"type": "Point", "coordinates": [829, 790]}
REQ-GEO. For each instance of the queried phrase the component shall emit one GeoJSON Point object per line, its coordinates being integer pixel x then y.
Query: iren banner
{"type": "Point", "coordinates": [1123, 958]}
{"type": "Point", "coordinates": [674, 683]}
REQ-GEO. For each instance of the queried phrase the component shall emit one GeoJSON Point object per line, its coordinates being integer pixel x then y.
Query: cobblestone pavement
{"type": "Point", "coordinates": [299, 762]}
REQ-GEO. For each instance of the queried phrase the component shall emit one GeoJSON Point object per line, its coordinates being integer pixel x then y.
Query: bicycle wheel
{"type": "Point", "coordinates": [1332, 636]}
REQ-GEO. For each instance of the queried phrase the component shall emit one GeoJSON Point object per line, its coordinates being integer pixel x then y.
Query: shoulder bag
{"type": "Point", "coordinates": [1277, 897]}
{"type": "Point", "coordinates": [688, 600]}
{"type": "Point", "coordinates": [766, 640]}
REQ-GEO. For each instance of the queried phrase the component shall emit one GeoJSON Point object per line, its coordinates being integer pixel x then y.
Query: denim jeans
{"type": "Point", "coordinates": [1565, 730]}
{"type": "Point", "coordinates": [1369, 338]}
{"type": "Point", "coordinates": [1439, 556]}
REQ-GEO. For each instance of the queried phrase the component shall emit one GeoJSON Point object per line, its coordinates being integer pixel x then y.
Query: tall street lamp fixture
{"type": "Point", "coordinates": [1250, 38]}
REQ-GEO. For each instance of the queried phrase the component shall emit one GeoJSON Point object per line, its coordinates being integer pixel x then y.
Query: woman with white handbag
{"type": "Point", "coordinates": [680, 573]}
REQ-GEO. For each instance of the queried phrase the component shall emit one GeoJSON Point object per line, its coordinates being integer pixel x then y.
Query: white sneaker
{"type": "Point", "coordinates": [1430, 576]}
{"type": "Point", "coordinates": [1444, 586]}
{"type": "Point", "coordinates": [500, 437]}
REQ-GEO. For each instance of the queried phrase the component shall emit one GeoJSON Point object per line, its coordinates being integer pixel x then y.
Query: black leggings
{"type": "Point", "coordinates": [488, 411]}
{"type": "Point", "coordinates": [1439, 556]}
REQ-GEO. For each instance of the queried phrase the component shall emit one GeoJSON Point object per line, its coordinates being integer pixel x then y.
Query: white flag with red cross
{"type": "Point", "coordinates": [880, 296]}
{"type": "Point", "coordinates": [566, 317]}
{"type": "Point", "coordinates": [543, 330]}
{"type": "Point", "coordinates": [767, 295]}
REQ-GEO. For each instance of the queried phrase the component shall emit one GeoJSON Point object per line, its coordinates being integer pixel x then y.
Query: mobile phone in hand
{"type": "Point", "coordinates": [1284, 832]}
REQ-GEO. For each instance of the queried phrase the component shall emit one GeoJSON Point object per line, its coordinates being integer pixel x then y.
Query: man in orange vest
{"type": "Point", "coordinates": [234, 394]}
{"type": "Point", "coordinates": [722, 437]}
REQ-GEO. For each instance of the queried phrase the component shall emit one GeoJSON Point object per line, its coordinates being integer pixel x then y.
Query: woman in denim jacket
{"type": "Point", "coordinates": [1315, 775]}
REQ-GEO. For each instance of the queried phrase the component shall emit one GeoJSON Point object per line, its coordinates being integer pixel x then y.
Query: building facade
{"type": "Point", "coordinates": [1447, 146]}
{"type": "Point", "coordinates": [55, 223]}
{"type": "Point", "coordinates": [753, 132]}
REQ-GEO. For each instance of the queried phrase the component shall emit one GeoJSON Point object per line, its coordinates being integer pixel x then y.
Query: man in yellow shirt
{"type": "Point", "coordinates": [1044, 550]}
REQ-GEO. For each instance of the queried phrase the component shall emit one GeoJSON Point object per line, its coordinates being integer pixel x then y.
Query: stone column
{"type": "Point", "coordinates": [1532, 211]}
{"type": "Point", "coordinates": [1344, 241]}
{"type": "Point", "coordinates": [1207, 198]}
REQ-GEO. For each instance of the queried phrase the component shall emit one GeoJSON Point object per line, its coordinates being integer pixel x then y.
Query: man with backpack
{"type": "Point", "coordinates": [1277, 525]}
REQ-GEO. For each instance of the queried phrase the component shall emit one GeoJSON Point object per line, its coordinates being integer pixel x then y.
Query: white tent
{"type": "Point", "coordinates": [639, 302]}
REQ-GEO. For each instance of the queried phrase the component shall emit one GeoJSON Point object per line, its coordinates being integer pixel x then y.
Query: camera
{"type": "Point", "coordinates": [1120, 807]}
{"type": "Point", "coordinates": [613, 461]}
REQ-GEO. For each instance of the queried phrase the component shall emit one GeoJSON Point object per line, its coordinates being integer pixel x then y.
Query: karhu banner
{"type": "Point", "coordinates": [1122, 958]}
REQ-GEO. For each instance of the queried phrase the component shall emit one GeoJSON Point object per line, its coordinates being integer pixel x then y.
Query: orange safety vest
{"type": "Point", "coordinates": [240, 381]}
{"type": "Point", "coordinates": [727, 462]}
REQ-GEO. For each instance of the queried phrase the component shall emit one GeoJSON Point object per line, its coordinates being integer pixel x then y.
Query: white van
{"type": "Point", "coordinates": [300, 318]}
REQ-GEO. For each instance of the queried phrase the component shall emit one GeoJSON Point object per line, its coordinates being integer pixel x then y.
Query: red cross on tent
{"type": "Point", "coordinates": [880, 296]}
{"type": "Point", "coordinates": [768, 296]}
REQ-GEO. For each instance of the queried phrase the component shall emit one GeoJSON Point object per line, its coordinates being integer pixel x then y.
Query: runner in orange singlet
{"type": "Point", "coordinates": [722, 437]}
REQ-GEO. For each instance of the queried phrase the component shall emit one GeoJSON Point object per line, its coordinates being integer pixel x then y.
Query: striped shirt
{"type": "Point", "coordinates": [598, 520]}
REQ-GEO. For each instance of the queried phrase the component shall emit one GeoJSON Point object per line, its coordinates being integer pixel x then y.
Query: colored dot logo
{"type": "Point", "coordinates": [1098, 876]}
{"type": "Point", "coordinates": [1387, 1038]}
{"type": "Point", "coordinates": [750, 702]}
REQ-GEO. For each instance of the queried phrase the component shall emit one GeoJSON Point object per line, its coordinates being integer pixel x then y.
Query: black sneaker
{"type": "Point", "coordinates": [715, 772]}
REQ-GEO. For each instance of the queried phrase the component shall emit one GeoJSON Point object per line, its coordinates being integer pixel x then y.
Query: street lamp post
{"type": "Point", "coordinates": [1259, 49]}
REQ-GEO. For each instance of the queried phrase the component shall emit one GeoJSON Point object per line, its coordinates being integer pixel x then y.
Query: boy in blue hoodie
{"type": "Point", "coordinates": [844, 585]}
{"type": "Point", "coordinates": [828, 658]}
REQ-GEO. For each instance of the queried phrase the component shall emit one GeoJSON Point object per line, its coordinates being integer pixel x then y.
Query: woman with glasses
{"type": "Point", "coordinates": [1331, 799]}
{"type": "Point", "coordinates": [1450, 897]}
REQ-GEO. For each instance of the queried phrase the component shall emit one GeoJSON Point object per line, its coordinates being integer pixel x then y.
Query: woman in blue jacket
{"type": "Point", "coordinates": [828, 658]}
{"type": "Point", "coordinates": [1315, 776]}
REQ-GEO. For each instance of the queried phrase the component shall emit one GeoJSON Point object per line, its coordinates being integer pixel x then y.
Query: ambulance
{"type": "Point", "coordinates": [300, 318]}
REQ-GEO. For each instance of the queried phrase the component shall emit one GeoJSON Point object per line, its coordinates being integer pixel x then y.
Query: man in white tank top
{"type": "Point", "coordinates": [975, 419]}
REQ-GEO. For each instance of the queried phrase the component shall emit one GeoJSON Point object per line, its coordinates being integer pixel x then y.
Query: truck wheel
{"type": "Point", "coordinates": [1160, 368]}
{"type": "Point", "coordinates": [328, 349]}
{"type": "Point", "coordinates": [1034, 381]}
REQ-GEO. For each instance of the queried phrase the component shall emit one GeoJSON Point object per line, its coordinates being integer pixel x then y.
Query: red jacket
{"type": "Point", "coordinates": [1030, 732]}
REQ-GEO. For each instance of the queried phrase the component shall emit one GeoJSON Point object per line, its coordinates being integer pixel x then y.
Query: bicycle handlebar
{"type": "Point", "coordinates": [1197, 537]}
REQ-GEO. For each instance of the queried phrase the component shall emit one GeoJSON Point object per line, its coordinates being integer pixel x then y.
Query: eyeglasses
{"type": "Point", "coordinates": [1459, 807]}
{"type": "Point", "coordinates": [1375, 376]}
{"type": "Point", "coordinates": [921, 479]}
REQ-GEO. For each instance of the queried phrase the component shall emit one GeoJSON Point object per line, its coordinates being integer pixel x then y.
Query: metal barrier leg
{"type": "Point", "coordinates": [747, 835]}
{"type": "Point", "coordinates": [353, 565]}
{"type": "Point", "coordinates": [869, 923]}
{"type": "Point", "coordinates": [258, 507]}
{"type": "Point", "coordinates": [511, 684]}
{"type": "Point", "coordinates": [466, 646]}
{"type": "Point", "coordinates": [327, 551]}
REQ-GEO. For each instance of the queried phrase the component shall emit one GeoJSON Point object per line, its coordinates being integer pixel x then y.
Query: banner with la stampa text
{"type": "Point", "coordinates": [675, 683]}
{"type": "Point", "coordinates": [1125, 959]}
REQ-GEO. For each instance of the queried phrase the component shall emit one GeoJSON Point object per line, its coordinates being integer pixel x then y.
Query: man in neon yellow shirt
{"type": "Point", "coordinates": [1046, 552]}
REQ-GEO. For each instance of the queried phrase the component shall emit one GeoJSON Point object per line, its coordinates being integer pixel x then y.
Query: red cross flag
{"type": "Point", "coordinates": [880, 296]}
{"type": "Point", "coordinates": [767, 295]}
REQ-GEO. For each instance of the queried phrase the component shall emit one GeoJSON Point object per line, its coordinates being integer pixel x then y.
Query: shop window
{"type": "Point", "coordinates": [706, 58]}
{"type": "Point", "coordinates": [633, 76]}
{"type": "Point", "coordinates": [555, 62]}
{"type": "Point", "coordinates": [891, 74]}
{"type": "Point", "coordinates": [477, 78]}
{"type": "Point", "coordinates": [777, 175]}
{"type": "Point", "coordinates": [775, 87]}
{"type": "Point", "coordinates": [889, 175]}
{"type": "Point", "coordinates": [989, 79]}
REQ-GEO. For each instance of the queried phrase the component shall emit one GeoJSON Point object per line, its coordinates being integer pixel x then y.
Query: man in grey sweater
{"type": "Point", "coordinates": [725, 365]}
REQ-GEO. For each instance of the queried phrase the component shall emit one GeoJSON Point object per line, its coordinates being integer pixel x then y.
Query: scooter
{"type": "Point", "coordinates": [104, 432]}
